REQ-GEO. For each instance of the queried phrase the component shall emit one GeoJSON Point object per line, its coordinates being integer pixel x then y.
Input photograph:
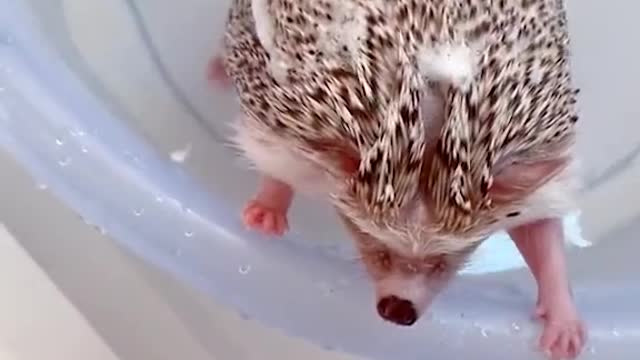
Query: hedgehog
{"type": "Point", "coordinates": [429, 125]}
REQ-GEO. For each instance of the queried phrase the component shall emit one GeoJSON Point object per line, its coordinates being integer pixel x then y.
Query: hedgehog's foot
{"type": "Point", "coordinates": [217, 74]}
{"type": "Point", "coordinates": [541, 245]}
{"type": "Point", "coordinates": [267, 211]}
{"type": "Point", "coordinates": [564, 333]}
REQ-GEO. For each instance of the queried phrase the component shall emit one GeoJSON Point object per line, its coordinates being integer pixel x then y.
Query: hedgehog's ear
{"type": "Point", "coordinates": [343, 159]}
{"type": "Point", "coordinates": [518, 180]}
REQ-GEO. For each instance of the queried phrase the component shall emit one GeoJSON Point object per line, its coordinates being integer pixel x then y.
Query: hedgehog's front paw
{"type": "Point", "coordinates": [564, 333]}
{"type": "Point", "coordinates": [217, 74]}
{"type": "Point", "coordinates": [267, 212]}
{"type": "Point", "coordinates": [268, 220]}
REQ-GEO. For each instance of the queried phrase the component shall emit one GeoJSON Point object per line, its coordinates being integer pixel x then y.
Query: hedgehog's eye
{"type": "Point", "coordinates": [440, 266]}
{"type": "Point", "coordinates": [437, 264]}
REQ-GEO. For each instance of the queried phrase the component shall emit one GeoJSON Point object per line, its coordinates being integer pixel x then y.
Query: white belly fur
{"type": "Point", "coordinates": [273, 157]}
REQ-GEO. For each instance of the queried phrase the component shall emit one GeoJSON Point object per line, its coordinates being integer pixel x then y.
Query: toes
{"type": "Point", "coordinates": [575, 345]}
{"type": "Point", "coordinates": [266, 220]}
{"type": "Point", "coordinates": [277, 224]}
{"type": "Point", "coordinates": [285, 224]}
{"type": "Point", "coordinates": [253, 216]}
{"type": "Point", "coordinates": [559, 342]}
{"type": "Point", "coordinates": [582, 334]}
{"type": "Point", "coordinates": [549, 337]}
{"type": "Point", "coordinates": [562, 345]}
{"type": "Point", "coordinates": [269, 223]}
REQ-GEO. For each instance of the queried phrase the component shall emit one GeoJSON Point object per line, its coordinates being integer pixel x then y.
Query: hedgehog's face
{"type": "Point", "coordinates": [407, 277]}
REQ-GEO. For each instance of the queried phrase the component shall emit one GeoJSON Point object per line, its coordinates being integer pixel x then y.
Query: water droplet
{"type": "Point", "coordinates": [244, 315]}
{"type": "Point", "coordinates": [65, 162]}
{"type": "Point", "coordinates": [440, 321]}
{"type": "Point", "coordinates": [42, 186]}
{"type": "Point", "coordinates": [326, 288]}
{"type": "Point", "coordinates": [244, 269]}
{"type": "Point", "coordinates": [84, 150]}
{"type": "Point", "coordinates": [484, 332]}
{"type": "Point", "coordinates": [76, 133]}
{"type": "Point", "coordinates": [615, 332]}
{"type": "Point", "coordinates": [159, 199]}
{"type": "Point", "coordinates": [180, 155]}
{"type": "Point", "coordinates": [188, 211]}
{"type": "Point", "coordinates": [329, 348]}
{"type": "Point", "coordinates": [188, 234]}
{"type": "Point", "coordinates": [59, 142]}
{"type": "Point", "coordinates": [515, 327]}
{"type": "Point", "coordinates": [100, 229]}
{"type": "Point", "coordinates": [8, 39]}
{"type": "Point", "coordinates": [138, 212]}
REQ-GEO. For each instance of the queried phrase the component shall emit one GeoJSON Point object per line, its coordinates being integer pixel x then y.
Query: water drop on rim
{"type": "Point", "coordinates": [101, 230]}
{"type": "Point", "coordinates": [515, 327]}
{"type": "Point", "coordinates": [76, 133]}
{"type": "Point", "coordinates": [244, 269]}
{"type": "Point", "coordinates": [65, 162]}
{"type": "Point", "coordinates": [326, 288]}
{"type": "Point", "coordinates": [8, 39]}
{"type": "Point", "coordinates": [329, 348]}
{"type": "Point", "coordinates": [244, 315]}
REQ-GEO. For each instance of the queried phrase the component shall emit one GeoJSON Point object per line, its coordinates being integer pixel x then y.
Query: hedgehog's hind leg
{"type": "Point", "coordinates": [541, 245]}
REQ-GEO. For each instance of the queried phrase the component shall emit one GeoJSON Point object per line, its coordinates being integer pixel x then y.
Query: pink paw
{"type": "Point", "coordinates": [217, 74]}
{"type": "Point", "coordinates": [270, 220]}
{"type": "Point", "coordinates": [564, 334]}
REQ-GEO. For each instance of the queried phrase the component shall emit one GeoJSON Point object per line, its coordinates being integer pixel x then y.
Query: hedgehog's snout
{"type": "Point", "coordinates": [397, 310]}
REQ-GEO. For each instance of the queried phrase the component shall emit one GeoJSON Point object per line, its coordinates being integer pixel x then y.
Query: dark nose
{"type": "Point", "coordinates": [396, 310]}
